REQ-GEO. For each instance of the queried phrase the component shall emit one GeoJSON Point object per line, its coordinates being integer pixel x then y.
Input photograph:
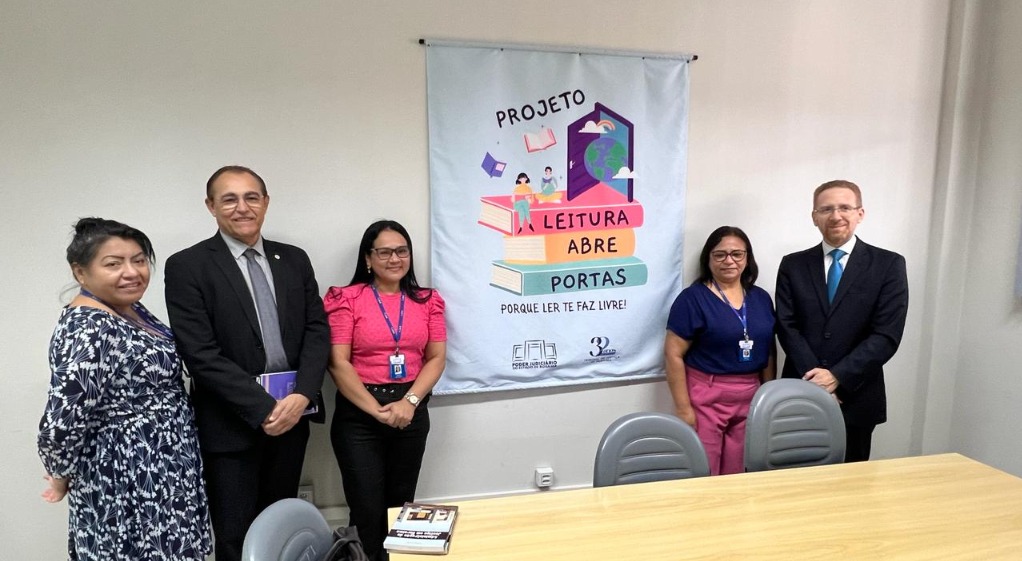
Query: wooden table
{"type": "Point", "coordinates": [930, 507]}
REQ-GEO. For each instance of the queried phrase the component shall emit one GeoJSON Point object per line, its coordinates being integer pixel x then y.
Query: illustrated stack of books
{"type": "Point", "coordinates": [585, 243]}
{"type": "Point", "coordinates": [422, 528]}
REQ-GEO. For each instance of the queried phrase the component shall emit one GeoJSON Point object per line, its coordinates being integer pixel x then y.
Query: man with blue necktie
{"type": "Point", "coordinates": [841, 308]}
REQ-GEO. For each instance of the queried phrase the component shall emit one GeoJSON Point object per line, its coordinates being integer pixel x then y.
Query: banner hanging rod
{"type": "Point", "coordinates": [689, 57]}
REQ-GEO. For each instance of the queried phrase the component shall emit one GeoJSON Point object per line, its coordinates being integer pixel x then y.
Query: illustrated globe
{"type": "Point", "coordinates": [604, 157]}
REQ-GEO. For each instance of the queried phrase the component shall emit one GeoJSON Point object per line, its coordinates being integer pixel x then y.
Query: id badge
{"type": "Point", "coordinates": [397, 367]}
{"type": "Point", "coordinates": [745, 350]}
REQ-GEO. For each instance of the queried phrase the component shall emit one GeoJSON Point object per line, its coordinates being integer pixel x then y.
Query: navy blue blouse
{"type": "Point", "coordinates": [713, 330]}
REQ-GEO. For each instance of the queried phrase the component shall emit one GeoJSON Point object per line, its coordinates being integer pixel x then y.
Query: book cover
{"type": "Point", "coordinates": [535, 142]}
{"type": "Point", "coordinates": [533, 280]}
{"type": "Point", "coordinates": [422, 528]}
{"type": "Point", "coordinates": [569, 246]}
{"type": "Point", "coordinates": [599, 208]}
{"type": "Point", "coordinates": [282, 384]}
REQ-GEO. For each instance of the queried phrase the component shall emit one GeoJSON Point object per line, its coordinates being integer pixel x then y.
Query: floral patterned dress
{"type": "Point", "coordinates": [119, 427]}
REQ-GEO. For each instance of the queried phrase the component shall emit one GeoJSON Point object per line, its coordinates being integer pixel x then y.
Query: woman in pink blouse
{"type": "Point", "coordinates": [389, 349]}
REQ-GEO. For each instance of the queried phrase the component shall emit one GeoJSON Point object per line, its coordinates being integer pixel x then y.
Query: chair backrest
{"type": "Point", "coordinates": [793, 423]}
{"type": "Point", "coordinates": [643, 447]}
{"type": "Point", "coordinates": [287, 530]}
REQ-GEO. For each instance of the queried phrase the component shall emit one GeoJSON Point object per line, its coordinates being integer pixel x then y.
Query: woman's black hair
{"type": "Point", "coordinates": [364, 275]}
{"type": "Point", "coordinates": [751, 272]}
{"type": "Point", "coordinates": [90, 233]}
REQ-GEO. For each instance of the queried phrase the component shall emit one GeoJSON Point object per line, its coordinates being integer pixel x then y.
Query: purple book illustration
{"type": "Point", "coordinates": [493, 167]}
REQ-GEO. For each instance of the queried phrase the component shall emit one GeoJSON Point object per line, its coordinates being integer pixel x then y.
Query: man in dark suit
{"type": "Point", "coordinates": [841, 309]}
{"type": "Point", "coordinates": [241, 305]}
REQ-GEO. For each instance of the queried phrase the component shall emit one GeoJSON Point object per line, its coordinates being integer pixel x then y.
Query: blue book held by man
{"type": "Point", "coordinates": [282, 384]}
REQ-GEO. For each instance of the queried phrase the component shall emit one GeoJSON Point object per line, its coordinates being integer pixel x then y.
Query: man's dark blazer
{"type": "Point", "coordinates": [854, 336]}
{"type": "Point", "coordinates": [218, 336]}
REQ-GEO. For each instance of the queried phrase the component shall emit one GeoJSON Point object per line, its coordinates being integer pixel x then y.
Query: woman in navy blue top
{"type": "Point", "coordinates": [720, 347]}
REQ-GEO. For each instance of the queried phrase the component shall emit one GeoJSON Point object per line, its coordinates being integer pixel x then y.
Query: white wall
{"type": "Point", "coordinates": [122, 109]}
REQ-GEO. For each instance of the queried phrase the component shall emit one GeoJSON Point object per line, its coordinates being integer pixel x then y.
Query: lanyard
{"type": "Point", "coordinates": [146, 323]}
{"type": "Point", "coordinates": [396, 334]}
{"type": "Point", "coordinates": [741, 317]}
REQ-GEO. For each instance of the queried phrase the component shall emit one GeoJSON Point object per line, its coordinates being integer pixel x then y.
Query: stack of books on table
{"type": "Point", "coordinates": [586, 243]}
{"type": "Point", "coordinates": [422, 528]}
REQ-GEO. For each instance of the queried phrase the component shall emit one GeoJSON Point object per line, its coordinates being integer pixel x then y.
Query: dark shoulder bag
{"type": "Point", "coordinates": [346, 546]}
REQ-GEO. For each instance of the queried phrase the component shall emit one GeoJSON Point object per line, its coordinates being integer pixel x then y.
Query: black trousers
{"type": "Point", "coordinates": [241, 484]}
{"type": "Point", "coordinates": [379, 464]}
{"type": "Point", "coordinates": [858, 442]}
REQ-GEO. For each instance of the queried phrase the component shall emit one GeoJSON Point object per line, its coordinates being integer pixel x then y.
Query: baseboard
{"type": "Point", "coordinates": [335, 515]}
{"type": "Point", "coordinates": [474, 496]}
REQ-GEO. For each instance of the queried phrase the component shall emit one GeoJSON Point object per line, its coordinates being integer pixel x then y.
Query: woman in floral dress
{"type": "Point", "coordinates": [118, 435]}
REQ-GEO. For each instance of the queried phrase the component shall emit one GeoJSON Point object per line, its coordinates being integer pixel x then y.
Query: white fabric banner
{"type": "Point", "coordinates": [558, 190]}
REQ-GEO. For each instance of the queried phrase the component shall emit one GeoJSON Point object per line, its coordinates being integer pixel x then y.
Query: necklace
{"type": "Point", "coordinates": [144, 321]}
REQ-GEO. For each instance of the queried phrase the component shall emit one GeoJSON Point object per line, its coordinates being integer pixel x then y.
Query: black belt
{"type": "Point", "coordinates": [399, 389]}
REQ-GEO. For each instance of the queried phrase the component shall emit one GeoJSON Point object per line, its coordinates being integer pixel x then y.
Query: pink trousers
{"type": "Point", "coordinates": [721, 404]}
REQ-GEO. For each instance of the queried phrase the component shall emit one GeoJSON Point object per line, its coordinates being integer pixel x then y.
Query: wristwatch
{"type": "Point", "coordinates": [412, 398]}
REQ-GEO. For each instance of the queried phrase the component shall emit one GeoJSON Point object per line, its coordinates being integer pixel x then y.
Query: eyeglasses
{"type": "Point", "coordinates": [721, 256]}
{"type": "Point", "coordinates": [385, 253]}
{"type": "Point", "coordinates": [252, 200]}
{"type": "Point", "coordinates": [828, 210]}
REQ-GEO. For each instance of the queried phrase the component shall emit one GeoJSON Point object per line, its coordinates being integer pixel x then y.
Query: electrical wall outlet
{"type": "Point", "coordinates": [307, 493]}
{"type": "Point", "coordinates": [544, 477]}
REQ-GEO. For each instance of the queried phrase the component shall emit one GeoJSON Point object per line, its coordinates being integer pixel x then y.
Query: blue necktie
{"type": "Point", "coordinates": [276, 358]}
{"type": "Point", "coordinates": [834, 273]}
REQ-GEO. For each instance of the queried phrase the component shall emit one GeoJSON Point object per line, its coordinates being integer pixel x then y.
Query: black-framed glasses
{"type": "Point", "coordinates": [721, 256]}
{"type": "Point", "coordinates": [828, 210]}
{"type": "Point", "coordinates": [385, 253]}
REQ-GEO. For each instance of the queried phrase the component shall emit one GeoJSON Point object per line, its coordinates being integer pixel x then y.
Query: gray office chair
{"type": "Point", "coordinates": [643, 447]}
{"type": "Point", "coordinates": [287, 530]}
{"type": "Point", "coordinates": [793, 423]}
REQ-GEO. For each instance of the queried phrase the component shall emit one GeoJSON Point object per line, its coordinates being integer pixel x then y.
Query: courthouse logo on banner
{"type": "Point", "coordinates": [557, 184]}
{"type": "Point", "coordinates": [534, 354]}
